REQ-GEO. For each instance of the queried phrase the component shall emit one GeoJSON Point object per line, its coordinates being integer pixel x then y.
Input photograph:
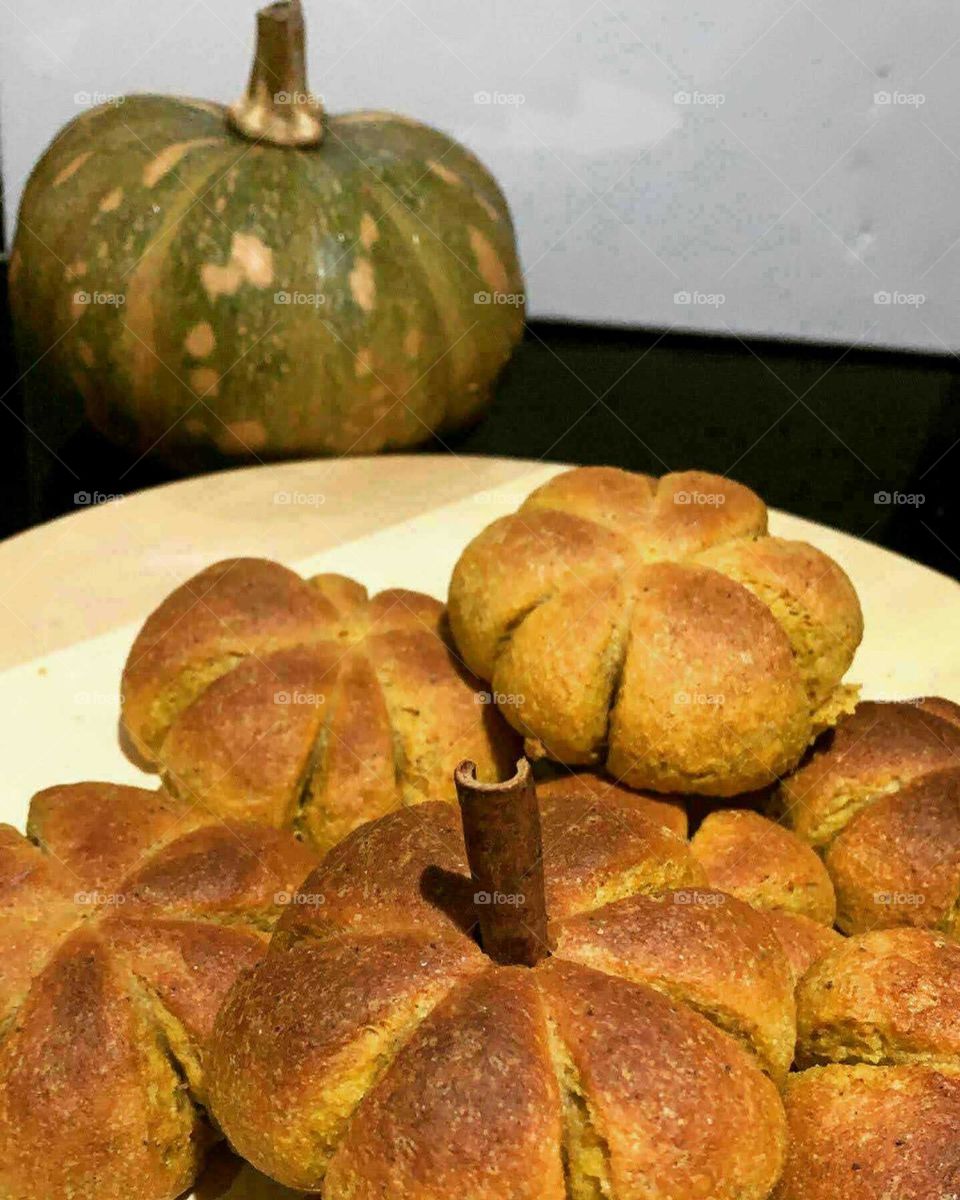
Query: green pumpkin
{"type": "Point", "coordinates": [265, 280]}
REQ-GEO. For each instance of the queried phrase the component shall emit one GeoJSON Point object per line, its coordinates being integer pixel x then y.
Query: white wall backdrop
{"type": "Point", "coordinates": [786, 167]}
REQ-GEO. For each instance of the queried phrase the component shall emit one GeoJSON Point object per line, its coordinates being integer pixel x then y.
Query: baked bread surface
{"type": "Point", "coordinates": [304, 703]}
{"type": "Point", "coordinates": [654, 627]}
{"type": "Point", "coordinates": [879, 798]}
{"type": "Point", "coordinates": [124, 919]}
{"type": "Point", "coordinates": [876, 1114]}
{"type": "Point", "coordinates": [376, 1051]}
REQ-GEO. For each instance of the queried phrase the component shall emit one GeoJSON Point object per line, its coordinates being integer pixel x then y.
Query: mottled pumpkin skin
{"type": "Point", "coordinates": [155, 246]}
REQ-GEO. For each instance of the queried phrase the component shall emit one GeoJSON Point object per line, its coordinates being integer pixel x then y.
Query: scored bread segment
{"type": "Point", "coordinates": [516, 564]}
{"type": "Point", "coordinates": [764, 864]}
{"type": "Point", "coordinates": [865, 1133]}
{"type": "Point", "coordinates": [659, 1102]}
{"type": "Point", "coordinates": [654, 627]}
{"type": "Point", "coordinates": [882, 998]}
{"type": "Point", "coordinates": [701, 947]}
{"type": "Point", "coordinates": [313, 1032]}
{"type": "Point", "coordinates": [86, 1058]}
{"type": "Point", "coordinates": [603, 793]}
{"type": "Point", "coordinates": [122, 926]}
{"type": "Point", "coordinates": [583, 628]}
{"type": "Point", "coordinates": [377, 1051]}
{"type": "Point", "coordinates": [811, 598]}
{"type": "Point", "coordinates": [709, 700]}
{"type": "Point", "coordinates": [898, 860]}
{"type": "Point", "coordinates": [477, 1074]}
{"type": "Point", "coordinates": [304, 703]}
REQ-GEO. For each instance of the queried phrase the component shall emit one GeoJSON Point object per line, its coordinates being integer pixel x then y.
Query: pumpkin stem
{"type": "Point", "coordinates": [501, 828]}
{"type": "Point", "coordinates": [278, 108]}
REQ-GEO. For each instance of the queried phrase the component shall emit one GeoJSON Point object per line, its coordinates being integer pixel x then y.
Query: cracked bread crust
{"type": "Point", "coordinates": [876, 1114]}
{"type": "Point", "coordinates": [882, 998]}
{"type": "Point", "coordinates": [653, 627]}
{"type": "Point", "coordinates": [304, 703]}
{"type": "Point", "coordinates": [879, 797]}
{"type": "Point", "coordinates": [763, 863]}
{"type": "Point", "coordinates": [124, 923]}
{"type": "Point", "coordinates": [872, 1133]}
{"type": "Point", "coordinates": [448, 1075]}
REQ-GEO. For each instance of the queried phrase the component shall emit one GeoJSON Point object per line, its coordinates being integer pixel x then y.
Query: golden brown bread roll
{"type": "Point", "coordinates": [123, 922]}
{"type": "Point", "coordinates": [872, 1133]}
{"type": "Point", "coordinates": [669, 811]}
{"type": "Point", "coordinates": [653, 627]}
{"type": "Point", "coordinates": [802, 940]}
{"type": "Point", "coordinates": [303, 702]}
{"type": "Point", "coordinates": [378, 1052]}
{"type": "Point", "coordinates": [880, 797]}
{"type": "Point", "coordinates": [751, 857]}
{"type": "Point", "coordinates": [882, 997]}
{"type": "Point", "coordinates": [881, 1118]}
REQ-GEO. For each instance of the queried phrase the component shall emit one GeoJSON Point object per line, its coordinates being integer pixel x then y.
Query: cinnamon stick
{"type": "Point", "coordinates": [501, 828]}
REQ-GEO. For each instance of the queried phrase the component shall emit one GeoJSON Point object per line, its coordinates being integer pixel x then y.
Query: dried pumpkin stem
{"type": "Point", "coordinates": [278, 108]}
{"type": "Point", "coordinates": [501, 827]}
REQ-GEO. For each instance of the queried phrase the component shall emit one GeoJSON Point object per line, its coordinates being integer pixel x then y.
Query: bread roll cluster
{"type": "Point", "coordinates": [699, 1027]}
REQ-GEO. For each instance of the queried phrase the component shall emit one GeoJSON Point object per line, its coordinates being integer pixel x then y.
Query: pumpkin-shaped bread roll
{"type": "Point", "coordinates": [879, 797]}
{"type": "Point", "coordinates": [304, 703]}
{"type": "Point", "coordinates": [378, 1051]}
{"type": "Point", "coordinates": [877, 1113]}
{"type": "Point", "coordinates": [652, 626]}
{"type": "Point", "coordinates": [125, 917]}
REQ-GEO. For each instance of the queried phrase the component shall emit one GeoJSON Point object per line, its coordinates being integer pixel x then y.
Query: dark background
{"type": "Point", "coordinates": [813, 429]}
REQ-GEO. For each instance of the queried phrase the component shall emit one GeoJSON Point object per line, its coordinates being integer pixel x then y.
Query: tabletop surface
{"type": "Point", "coordinates": [74, 592]}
